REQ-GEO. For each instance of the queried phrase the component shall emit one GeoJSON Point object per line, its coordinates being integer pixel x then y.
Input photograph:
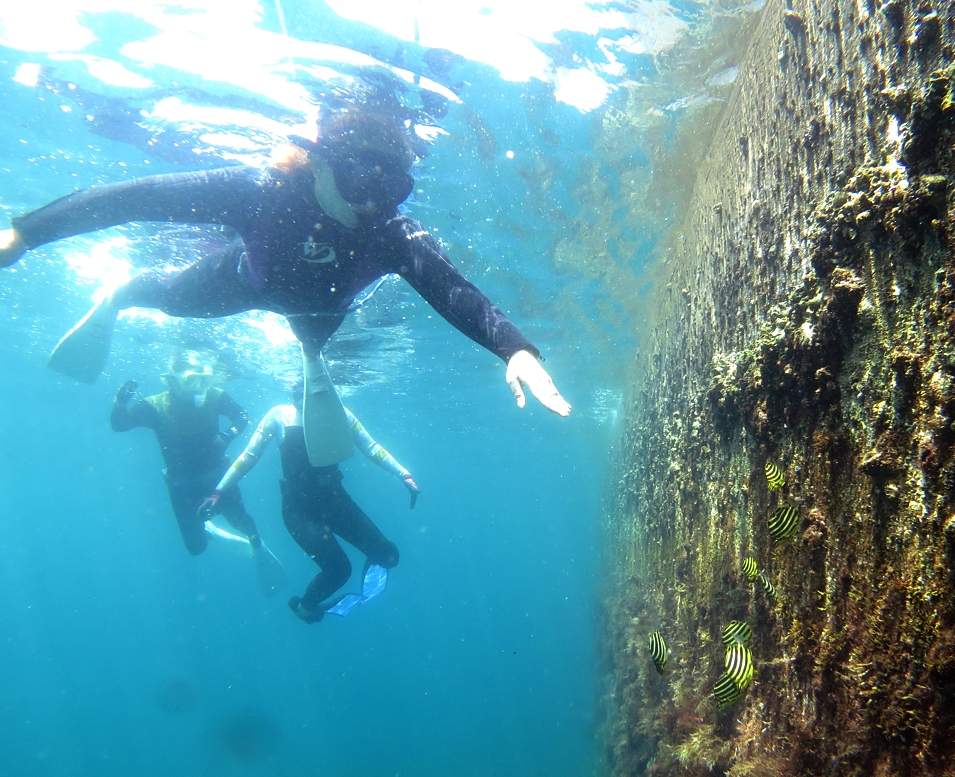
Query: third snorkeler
{"type": "Point", "coordinates": [315, 507]}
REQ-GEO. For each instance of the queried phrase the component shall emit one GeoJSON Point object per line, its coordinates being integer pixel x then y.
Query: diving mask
{"type": "Point", "coordinates": [370, 179]}
{"type": "Point", "coordinates": [192, 384]}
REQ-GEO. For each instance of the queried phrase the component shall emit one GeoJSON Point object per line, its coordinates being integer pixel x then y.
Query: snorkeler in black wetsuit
{"type": "Point", "coordinates": [185, 420]}
{"type": "Point", "coordinates": [315, 506]}
{"type": "Point", "coordinates": [316, 228]}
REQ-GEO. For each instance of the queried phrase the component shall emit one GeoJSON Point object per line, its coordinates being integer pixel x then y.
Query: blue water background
{"type": "Point", "coordinates": [120, 654]}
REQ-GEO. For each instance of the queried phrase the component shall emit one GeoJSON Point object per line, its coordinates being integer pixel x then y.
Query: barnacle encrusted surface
{"type": "Point", "coordinates": [808, 318]}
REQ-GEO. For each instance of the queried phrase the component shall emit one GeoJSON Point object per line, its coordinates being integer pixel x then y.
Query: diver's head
{"type": "Point", "coordinates": [190, 377]}
{"type": "Point", "coordinates": [369, 157]}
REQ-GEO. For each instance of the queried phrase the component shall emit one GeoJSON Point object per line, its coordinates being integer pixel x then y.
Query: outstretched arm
{"type": "Point", "coordinates": [122, 418]}
{"type": "Point", "coordinates": [425, 266]}
{"type": "Point", "coordinates": [225, 196]}
{"type": "Point", "coordinates": [367, 445]}
{"type": "Point", "coordinates": [246, 461]}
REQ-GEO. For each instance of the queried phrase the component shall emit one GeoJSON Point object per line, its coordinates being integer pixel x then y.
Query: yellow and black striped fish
{"type": "Point", "coordinates": [750, 569]}
{"type": "Point", "coordinates": [739, 665]}
{"type": "Point", "coordinates": [658, 651]}
{"type": "Point", "coordinates": [737, 631]}
{"type": "Point", "coordinates": [783, 523]}
{"type": "Point", "coordinates": [769, 587]}
{"type": "Point", "coordinates": [726, 691]}
{"type": "Point", "coordinates": [774, 476]}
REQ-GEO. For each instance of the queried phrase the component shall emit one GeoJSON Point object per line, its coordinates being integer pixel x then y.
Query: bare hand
{"type": "Point", "coordinates": [524, 370]}
{"type": "Point", "coordinates": [412, 489]}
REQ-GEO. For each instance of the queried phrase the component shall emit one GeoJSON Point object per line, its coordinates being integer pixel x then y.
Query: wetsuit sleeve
{"type": "Point", "coordinates": [235, 413]}
{"type": "Point", "coordinates": [228, 196]}
{"type": "Point", "coordinates": [426, 267]}
{"type": "Point", "coordinates": [261, 437]}
{"type": "Point", "coordinates": [122, 418]}
{"type": "Point", "coordinates": [366, 444]}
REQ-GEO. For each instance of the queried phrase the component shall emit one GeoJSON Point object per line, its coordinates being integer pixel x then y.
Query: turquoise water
{"type": "Point", "coordinates": [119, 653]}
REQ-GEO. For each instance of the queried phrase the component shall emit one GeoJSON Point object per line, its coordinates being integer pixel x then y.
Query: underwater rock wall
{"type": "Point", "coordinates": [807, 319]}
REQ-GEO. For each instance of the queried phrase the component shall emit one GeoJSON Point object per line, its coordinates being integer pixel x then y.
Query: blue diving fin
{"type": "Point", "coordinates": [372, 585]}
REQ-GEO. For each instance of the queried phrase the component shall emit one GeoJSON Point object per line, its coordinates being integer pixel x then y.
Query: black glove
{"type": "Point", "coordinates": [412, 488]}
{"type": "Point", "coordinates": [126, 392]}
{"type": "Point", "coordinates": [223, 439]}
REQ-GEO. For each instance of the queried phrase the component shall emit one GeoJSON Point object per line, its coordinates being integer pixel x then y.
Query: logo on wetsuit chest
{"type": "Point", "coordinates": [317, 253]}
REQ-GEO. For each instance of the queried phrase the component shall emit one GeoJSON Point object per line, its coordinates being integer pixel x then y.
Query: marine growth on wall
{"type": "Point", "coordinates": [780, 596]}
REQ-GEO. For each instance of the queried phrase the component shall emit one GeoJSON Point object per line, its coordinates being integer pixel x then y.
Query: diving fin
{"type": "Point", "coordinates": [372, 584]}
{"type": "Point", "coordinates": [83, 351]}
{"type": "Point", "coordinates": [328, 439]}
{"type": "Point", "coordinates": [231, 540]}
{"type": "Point", "coordinates": [345, 605]}
{"type": "Point", "coordinates": [272, 577]}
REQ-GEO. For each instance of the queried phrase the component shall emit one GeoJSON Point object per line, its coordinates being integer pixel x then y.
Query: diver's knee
{"type": "Point", "coordinates": [196, 547]}
{"type": "Point", "coordinates": [387, 557]}
{"type": "Point", "coordinates": [339, 572]}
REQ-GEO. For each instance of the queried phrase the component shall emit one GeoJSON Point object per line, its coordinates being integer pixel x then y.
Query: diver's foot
{"type": "Point", "coordinates": [309, 616]}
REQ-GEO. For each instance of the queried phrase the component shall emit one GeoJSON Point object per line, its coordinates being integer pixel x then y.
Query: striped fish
{"type": "Point", "coordinates": [769, 587]}
{"type": "Point", "coordinates": [726, 691]}
{"type": "Point", "coordinates": [774, 476]}
{"type": "Point", "coordinates": [739, 666]}
{"type": "Point", "coordinates": [737, 632]}
{"type": "Point", "coordinates": [783, 523]}
{"type": "Point", "coordinates": [658, 651]}
{"type": "Point", "coordinates": [750, 570]}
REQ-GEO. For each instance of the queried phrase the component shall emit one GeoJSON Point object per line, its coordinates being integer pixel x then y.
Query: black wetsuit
{"type": "Point", "coordinates": [315, 507]}
{"type": "Point", "coordinates": [193, 450]}
{"type": "Point", "coordinates": [293, 258]}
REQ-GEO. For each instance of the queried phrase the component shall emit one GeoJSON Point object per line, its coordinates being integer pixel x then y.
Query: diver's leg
{"type": "Point", "coordinates": [357, 529]}
{"type": "Point", "coordinates": [233, 508]}
{"type": "Point", "coordinates": [271, 574]}
{"type": "Point", "coordinates": [212, 287]}
{"type": "Point", "coordinates": [185, 498]}
{"type": "Point", "coordinates": [306, 520]}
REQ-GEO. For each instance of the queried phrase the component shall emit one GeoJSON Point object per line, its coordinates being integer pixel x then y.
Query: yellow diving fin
{"type": "Point", "coordinates": [327, 436]}
{"type": "Point", "coordinates": [83, 351]}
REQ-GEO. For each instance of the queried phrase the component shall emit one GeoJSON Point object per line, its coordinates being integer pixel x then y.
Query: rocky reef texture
{"type": "Point", "coordinates": [806, 317]}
